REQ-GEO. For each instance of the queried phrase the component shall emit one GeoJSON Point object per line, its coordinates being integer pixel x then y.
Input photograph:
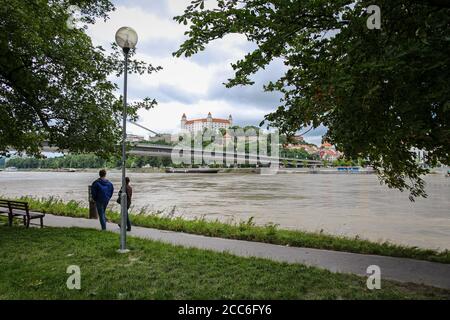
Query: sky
{"type": "Point", "coordinates": [193, 85]}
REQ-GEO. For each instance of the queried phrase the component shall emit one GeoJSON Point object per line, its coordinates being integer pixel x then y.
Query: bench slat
{"type": "Point", "coordinates": [14, 204]}
{"type": "Point", "coordinates": [24, 213]}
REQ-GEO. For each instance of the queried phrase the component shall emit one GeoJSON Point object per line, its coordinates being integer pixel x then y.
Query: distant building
{"type": "Point", "coordinates": [311, 149]}
{"type": "Point", "coordinates": [134, 138]}
{"type": "Point", "coordinates": [328, 152]}
{"type": "Point", "coordinates": [209, 122]}
{"type": "Point", "coordinates": [326, 145]}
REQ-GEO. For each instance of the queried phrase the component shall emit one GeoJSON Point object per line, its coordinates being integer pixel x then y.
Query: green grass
{"type": "Point", "coordinates": [247, 230]}
{"type": "Point", "coordinates": [33, 264]}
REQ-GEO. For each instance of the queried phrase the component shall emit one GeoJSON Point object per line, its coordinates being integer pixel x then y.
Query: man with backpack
{"type": "Point", "coordinates": [102, 191]}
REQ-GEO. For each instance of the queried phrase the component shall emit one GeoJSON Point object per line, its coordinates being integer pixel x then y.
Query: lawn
{"type": "Point", "coordinates": [33, 265]}
{"type": "Point", "coordinates": [247, 230]}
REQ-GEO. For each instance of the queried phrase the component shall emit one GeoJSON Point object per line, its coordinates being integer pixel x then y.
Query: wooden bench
{"type": "Point", "coordinates": [19, 209]}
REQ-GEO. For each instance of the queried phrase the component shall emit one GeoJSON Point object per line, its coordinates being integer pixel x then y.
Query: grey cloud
{"type": "Point", "coordinates": [172, 93]}
{"type": "Point", "coordinates": [319, 131]}
{"type": "Point", "coordinates": [315, 136]}
{"type": "Point", "coordinates": [250, 95]}
{"type": "Point", "coordinates": [213, 55]}
{"type": "Point", "coordinates": [159, 7]}
{"type": "Point", "coordinates": [208, 57]}
{"type": "Point", "coordinates": [317, 140]}
{"type": "Point", "coordinates": [248, 121]}
{"type": "Point", "coordinates": [163, 48]}
{"type": "Point", "coordinates": [165, 93]}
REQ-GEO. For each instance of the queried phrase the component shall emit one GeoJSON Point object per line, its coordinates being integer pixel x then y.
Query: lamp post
{"type": "Point", "coordinates": [126, 38]}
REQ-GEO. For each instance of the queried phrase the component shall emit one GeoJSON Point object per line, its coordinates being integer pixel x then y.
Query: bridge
{"type": "Point", "coordinates": [200, 156]}
{"type": "Point", "coordinates": [197, 156]}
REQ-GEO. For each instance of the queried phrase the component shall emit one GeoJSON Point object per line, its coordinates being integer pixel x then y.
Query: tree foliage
{"type": "Point", "coordinates": [77, 161]}
{"type": "Point", "coordinates": [85, 161]}
{"type": "Point", "coordinates": [381, 93]}
{"type": "Point", "coordinates": [54, 83]}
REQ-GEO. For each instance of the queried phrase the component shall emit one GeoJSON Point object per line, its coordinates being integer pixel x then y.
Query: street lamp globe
{"type": "Point", "coordinates": [126, 38]}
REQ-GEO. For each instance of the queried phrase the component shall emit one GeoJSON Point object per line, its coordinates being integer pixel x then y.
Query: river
{"type": "Point", "coordinates": [343, 204]}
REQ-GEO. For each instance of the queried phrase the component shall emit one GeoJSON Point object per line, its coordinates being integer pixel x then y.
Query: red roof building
{"type": "Point", "coordinates": [209, 122]}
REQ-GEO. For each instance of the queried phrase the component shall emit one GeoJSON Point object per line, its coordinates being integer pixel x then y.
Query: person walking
{"type": "Point", "coordinates": [102, 191]}
{"type": "Point", "coordinates": [129, 195]}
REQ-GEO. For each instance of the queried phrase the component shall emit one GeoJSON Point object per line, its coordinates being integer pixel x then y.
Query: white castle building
{"type": "Point", "coordinates": [209, 122]}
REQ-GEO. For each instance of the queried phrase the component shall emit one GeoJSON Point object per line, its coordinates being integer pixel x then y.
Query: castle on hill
{"type": "Point", "coordinates": [209, 122]}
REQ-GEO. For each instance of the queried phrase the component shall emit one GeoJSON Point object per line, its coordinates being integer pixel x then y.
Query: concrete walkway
{"type": "Point", "coordinates": [399, 269]}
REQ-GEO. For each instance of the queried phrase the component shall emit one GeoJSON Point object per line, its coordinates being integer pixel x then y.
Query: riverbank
{"type": "Point", "coordinates": [220, 170]}
{"type": "Point", "coordinates": [281, 170]}
{"type": "Point", "coordinates": [247, 230]}
{"type": "Point", "coordinates": [34, 263]}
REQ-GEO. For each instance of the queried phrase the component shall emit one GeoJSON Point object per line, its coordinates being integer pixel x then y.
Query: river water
{"type": "Point", "coordinates": [342, 204]}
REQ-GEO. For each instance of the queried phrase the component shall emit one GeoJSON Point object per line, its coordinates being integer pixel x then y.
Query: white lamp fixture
{"type": "Point", "coordinates": [126, 38]}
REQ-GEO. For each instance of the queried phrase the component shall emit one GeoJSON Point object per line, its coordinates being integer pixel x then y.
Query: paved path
{"type": "Point", "coordinates": [399, 269]}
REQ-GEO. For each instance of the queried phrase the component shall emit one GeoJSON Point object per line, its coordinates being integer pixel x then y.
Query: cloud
{"type": "Point", "coordinates": [167, 93]}
{"type": "Point", "coordinates": [317, 140]}
{"type": "Point", "coordinates": [176, 7]}
{"type": "Point", "coordinates": [315, 136]}
{"type": "Point", "coordinates": [253, 95]}
{"type": "Point", "coordinates": [191, 85]}
{"type": "Point", "coordinates": [180, 73]}
{"type": "Point", "coordinates": [151, 27]}
{"type": "Point", "coordinates": [224, 51]}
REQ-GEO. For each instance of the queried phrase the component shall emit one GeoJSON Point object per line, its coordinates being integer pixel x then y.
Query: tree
{"type": "Point", "coordinates": [54, 83]}
{"type": "Point", "coordinates": [379, 92]}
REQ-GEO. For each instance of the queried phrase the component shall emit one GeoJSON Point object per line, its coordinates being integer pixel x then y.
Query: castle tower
{"type": "Point", "coordinates": [209, 121]}
{"type": "Point", "coordinates": [230, 119]}
{"type": "Point", "coordinates": [183, 121]}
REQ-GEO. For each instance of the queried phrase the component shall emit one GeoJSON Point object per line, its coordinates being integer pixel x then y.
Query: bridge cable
{"type": "Point", "coordinates": [141, 126]}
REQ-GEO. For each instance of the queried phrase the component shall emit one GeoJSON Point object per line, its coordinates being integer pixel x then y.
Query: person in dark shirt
{"type": "Point", "coordinates": [129, 196]}
{"type": "Point", "coordinates": [102, 191]}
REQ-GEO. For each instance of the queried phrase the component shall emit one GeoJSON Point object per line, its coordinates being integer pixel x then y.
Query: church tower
{"type": "Point", "coordinates": [209, 121]}
{"type": "Point", "coordinates": [183, 121]}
